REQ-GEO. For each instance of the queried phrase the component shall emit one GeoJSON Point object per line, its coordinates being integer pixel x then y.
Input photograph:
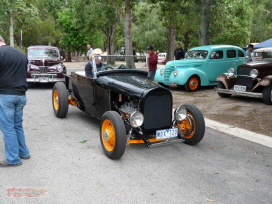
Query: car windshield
{"type": "Point", "coordinates": [43, 53]}
{"type": "Point", "coordinates": [197, 54]}
{"type": "Point", "coordinates": [108, 62]}
{"type": "Point", "coordinates": [262, 55]}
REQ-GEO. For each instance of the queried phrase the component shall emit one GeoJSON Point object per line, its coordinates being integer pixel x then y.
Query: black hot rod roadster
{"type": "Point", "coordinates": [131, 108]}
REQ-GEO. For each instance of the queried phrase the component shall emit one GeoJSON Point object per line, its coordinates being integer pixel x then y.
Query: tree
{"type": "Point", "coordinates": [261, 20]}
{"type": "Point", "coordinates": [148, 28]}
{"type": "Point", "coordinates": [16, 11]}
{"type": "Point", "coordinates": [230, 22]}
{"type": "Point", "coordinates": [106, 20]}
{"type": "Point", "coordinates": [204, 33]}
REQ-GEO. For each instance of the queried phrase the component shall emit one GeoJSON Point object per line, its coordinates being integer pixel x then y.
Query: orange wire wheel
{"type": "Point", "coordinates": [60, 100]}
{"type": "Point", "coordinates": [56, 100]}
{"type": "Point", "coordinates": [113, 135]}
{"type": "Point", "coordinates": [108, 135]}
{"type": "Point", "coordinates": [192, 84]}
{"type": "Point", "coordinates": [192, 128]}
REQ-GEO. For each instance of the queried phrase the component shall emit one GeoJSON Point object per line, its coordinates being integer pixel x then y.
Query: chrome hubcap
{"type": "Point", "coordinates": [106, 136]}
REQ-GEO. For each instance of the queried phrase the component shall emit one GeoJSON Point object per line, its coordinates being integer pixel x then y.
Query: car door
{"type": "Point", "coordinates": [216, 65]}
{"type": "Point", "coordinates": [232, 58]}
{"type": "Point", "coordinates": [86, 92]}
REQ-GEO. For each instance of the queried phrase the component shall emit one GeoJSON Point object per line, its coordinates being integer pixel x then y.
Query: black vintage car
{"type": "Point", "coordinates": [45, 64]}
{"type": "Point", "coordinates": [253, 79]}
{"type": "Point", "coordinates": [131, 108]}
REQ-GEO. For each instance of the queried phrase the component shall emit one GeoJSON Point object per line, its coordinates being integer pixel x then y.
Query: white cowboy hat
{"type": "Point", "coordinates": [96, 51]}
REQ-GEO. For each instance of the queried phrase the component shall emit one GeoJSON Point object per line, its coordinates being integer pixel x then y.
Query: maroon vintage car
{"type": "Point", "coordinates": [253, 79]}
{"type": "Point", "coordinates": [45, 64]}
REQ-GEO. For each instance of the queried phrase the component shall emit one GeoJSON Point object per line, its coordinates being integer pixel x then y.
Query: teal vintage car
{"type": "Point", "coordinates": [200, 67]}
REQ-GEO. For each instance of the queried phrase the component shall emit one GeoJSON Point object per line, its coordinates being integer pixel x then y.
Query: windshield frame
{"type": "Point", "coordinates": [44, 54]}
{"type": "Point", "coordinates": [116, 56]}
{"type": "Point", "coordinates": [203, 54]}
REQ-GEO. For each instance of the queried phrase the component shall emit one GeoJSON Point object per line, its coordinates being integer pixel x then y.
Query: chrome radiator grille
{"type": "Point", "coordinates": [167, 74]}
{"type": "Point", "coordinates": [43, 69]}
{"type": "Point", "coordinates": [157, 109]}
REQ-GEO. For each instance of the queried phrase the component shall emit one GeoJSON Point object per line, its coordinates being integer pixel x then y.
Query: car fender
{"type": "Point", "coordinates": [184, 74]}
{"type": "Point", "coordinates": [266, 81]}
{"type": "Point", "coordinates": [158, 76]}
{"type": "Point", "coordinates": [227, 80]}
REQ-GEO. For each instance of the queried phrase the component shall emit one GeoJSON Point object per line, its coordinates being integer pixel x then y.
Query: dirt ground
{"type": "Point", "coordinates": [247, 113]}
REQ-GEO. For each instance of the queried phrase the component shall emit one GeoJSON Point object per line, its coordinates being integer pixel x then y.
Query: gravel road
{"type": "Point", "coordinates": [68, 165]}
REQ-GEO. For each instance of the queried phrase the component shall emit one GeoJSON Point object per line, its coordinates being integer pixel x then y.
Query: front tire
{"type": "Point", "coordinates": [113, 135]}
{"type": "Point", "coordinates": [193, 127]}
{"type": "Point", "coordinates": [267, 95]}
{"type": "Point", "coordinates": [192, 84]}
{"type": "Point", "coordinates": [60, 100]}
{"type": "Point", "coordinates": [220, 85]}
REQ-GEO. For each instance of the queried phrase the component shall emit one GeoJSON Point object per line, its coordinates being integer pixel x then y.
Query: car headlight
{"type": "Point", "coordinates": [180, 113]}
{"type": "Point", "coordinates": [162, 71]}
{"type": "Point", "coordinates": [175, 72]}
{"type": "Point", "coordinates": [136, 119]}
{"type": "Point", "coordinates": [59, 68]}
{"type": "Point", "coordinates": [231, 72]}
{"type": "Point", "coordinates": [254, 73]}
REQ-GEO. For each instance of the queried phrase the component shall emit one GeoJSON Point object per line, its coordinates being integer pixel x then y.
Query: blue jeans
{"type": "Point", "coordinates": [151, 75]}
{"type": "Point", "coordinates": [11, 119]}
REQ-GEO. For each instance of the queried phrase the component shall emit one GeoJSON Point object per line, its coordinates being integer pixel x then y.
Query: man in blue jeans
{"type": "Point", "coordinates": [13, 85]}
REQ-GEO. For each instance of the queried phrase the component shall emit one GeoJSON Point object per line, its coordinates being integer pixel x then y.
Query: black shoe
{"type": "Point", "coordinates": [25, 158]}
{"type": "Point", "coordinates": [5, 164]}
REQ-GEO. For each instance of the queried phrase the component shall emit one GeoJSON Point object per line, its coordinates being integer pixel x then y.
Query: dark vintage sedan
{"type": "Point", "coordinates": [45, 64]}
{"type": "Point", "coordinates": [131, 108]}
{"type": "Point", "coordinates": [253, 79]}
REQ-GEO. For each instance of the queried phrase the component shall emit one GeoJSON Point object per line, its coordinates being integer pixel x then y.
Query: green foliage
{"type": "Point", "coordinates": [230, 22]}
{"type": "Point", "coordinates": [148, 28]}
{"type": "Point", "coordinates": [261, 20]}
{"type": "Point", "coordinates": [71, 24]}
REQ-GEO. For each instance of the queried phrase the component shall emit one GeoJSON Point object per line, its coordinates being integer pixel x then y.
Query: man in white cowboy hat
{"type": "Point", "coordinates": [98, 61]}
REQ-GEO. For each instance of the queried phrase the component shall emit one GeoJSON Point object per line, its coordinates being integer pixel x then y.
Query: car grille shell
{"type": "Point", "coordinates": [157, 109]}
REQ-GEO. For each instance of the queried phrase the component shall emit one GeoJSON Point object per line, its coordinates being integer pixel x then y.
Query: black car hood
{"type": "Point", "coordinates": [130, 83]}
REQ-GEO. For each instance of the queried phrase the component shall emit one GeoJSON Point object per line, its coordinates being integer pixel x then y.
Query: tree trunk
{"type": "Point", "coordinates": [186, 41]}
{"type": "Point", "coordinates": [204, 33]}
{"type": "Point", "coordinates": [128, 39]}
{"type": "Point", "coordinates": [170, 41]}
{"type": "Point", "coordinates": [69, 59]}
{"type": "Point", "coordinates": [110, 42]}
{"type": "Point", "coordinates": [11, 31]}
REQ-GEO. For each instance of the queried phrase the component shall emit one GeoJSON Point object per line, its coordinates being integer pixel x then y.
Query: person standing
{"type": "Point", "coordinates": [249, 53]}
{"type": "Point", "coordinates": [90, 50]}
{"type": "Point", "coordinates": [179, 52]}
{"type": "Point", "coordinates": [152, 63]}
{"type": "Point", "coordinates": [13, 85]}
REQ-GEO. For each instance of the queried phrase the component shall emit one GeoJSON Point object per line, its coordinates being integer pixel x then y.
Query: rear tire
{"type": "Point", "coordinates": [267, 95]}
{"type": "Point", "coordinates": [193, 127]}
{"type": "Point", "coordinates": [60, 100]}
{"type": "Point", "coordinates": [192, 84]}
{"type": "Point", "coordinates": [222, 86]}
{"type": "Point", "coordinates": [113, 135]}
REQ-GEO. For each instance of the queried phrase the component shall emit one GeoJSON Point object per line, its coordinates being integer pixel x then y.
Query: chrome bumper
{"type": "Point", "coordinates": [44, 78]}
{"type": "Point", "coordinates": [239, 93]}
